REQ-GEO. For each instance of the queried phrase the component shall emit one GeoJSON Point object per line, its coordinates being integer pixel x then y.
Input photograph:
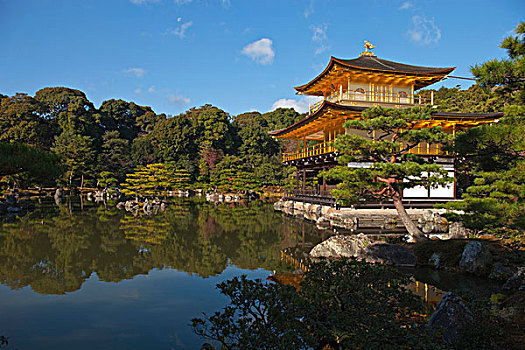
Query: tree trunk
{"type": "Point", "coordinates": [70, 179]}
{"type": "Point", "coordinates": [412, 229]}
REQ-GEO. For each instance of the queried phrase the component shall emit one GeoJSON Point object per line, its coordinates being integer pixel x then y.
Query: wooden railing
{"type": "Point", "coordinates": [428, 150]}
{"type": "Point", "coordinates": [374, 96]}
{"type": "Point", "coordinates": [315, 150]}
{"type": "Point", "coordinates": [325, 148]}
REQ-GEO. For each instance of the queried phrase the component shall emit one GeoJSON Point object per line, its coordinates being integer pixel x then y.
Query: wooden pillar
{"type": "Point", "coordinates": [297, 179]}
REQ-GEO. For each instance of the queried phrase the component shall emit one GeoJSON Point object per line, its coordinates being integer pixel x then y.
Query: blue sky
{"type": "Point", "coordinates": [239, 55]}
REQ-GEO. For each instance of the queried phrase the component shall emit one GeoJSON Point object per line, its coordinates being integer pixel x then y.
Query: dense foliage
{"type": "Point", "coordinates": [341, 305]}
{"type": "Point", "coordinates": [493, 156]}
{"type": "Point", "coordinates": [25, 164]}
{"type": "Point", "coordinates": [120, 136]}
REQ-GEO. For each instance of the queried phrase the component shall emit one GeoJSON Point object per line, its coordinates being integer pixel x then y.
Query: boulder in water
{"type": "Point", "coordinates": [337, 247]}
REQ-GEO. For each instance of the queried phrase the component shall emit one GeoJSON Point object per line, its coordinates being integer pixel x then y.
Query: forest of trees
{"type": "Point", "coordinates": [62, 132]}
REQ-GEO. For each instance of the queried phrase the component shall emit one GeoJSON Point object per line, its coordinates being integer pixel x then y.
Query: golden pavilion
{"type": "Point", "coordinates": [348, 87]}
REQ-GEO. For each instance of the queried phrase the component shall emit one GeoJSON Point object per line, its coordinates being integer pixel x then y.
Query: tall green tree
{"type": "Point", "coordinates": [78, 156]}
{"type": "Point", "coordinates": [128, 118]}
{"type": "Point", "coordinates": [115, 156]}
{"type": "Point", "coordinates": [506, 75]}
{"type": "Point", "coordinates": [382, 145]}
{"type": "Point", "coordinates": [213, 125]}
{"type": "Point", "coordinates": [174, 137]}
{"type": "Point", "coordinates": [21, 120]}
{"type": "Point", "coordinates": [69, 109]}
{"type": "Point", "coordinates": [493, 156]}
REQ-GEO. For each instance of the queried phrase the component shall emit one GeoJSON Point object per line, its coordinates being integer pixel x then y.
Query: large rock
{"type": "Point", "coordinates": [476, 258]}
{"type": "Point", "coordinates": [337, 247]}
{"type": "Point", "coordinates": [362, 248]}
{"type": "Point", "coordinates": [450, 317]}
{"type": "Point", "coordinates": [389, 254]}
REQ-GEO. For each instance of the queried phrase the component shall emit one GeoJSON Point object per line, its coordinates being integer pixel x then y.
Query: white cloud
{"type": "Point", "coordinates": [319, 36]}
{"type": "Point", "coordinates": [309, 10]}
{"type": "Point", "coordinates": [151, 89]}
{"type": "Point", "coordinates": [178, 100]}
{"type": "Point", "coordinates": [138, 91]}
{"type": "Point", "coordinates": [260, 51]}
{"type": "Point", "coordinates": [321, 49]}
{"type": "Point", "coordinates": [300, 106]}
{"type": "Point", "coordinates": [143, 2]}
{"type": "Point", "coordinates": [319, 32]}
{"type": "Point", "coordinates": [182, 2]}
{"type": "Point", "coordinates": [181, 31]}
{"type": "Point", "coordinates": [138, 72]}
{"type": "Point", "coordinates": [226, 3]}
{"type": "Point", "coordinates": [407, 5]}
{"type": "Point", "coordinates": [424, 31]}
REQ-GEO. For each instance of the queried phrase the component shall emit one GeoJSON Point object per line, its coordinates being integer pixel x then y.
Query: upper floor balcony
{"type": "Point", "coordinates": [364, 98]}
{"type": "Point", "coordinates": [422, 149]}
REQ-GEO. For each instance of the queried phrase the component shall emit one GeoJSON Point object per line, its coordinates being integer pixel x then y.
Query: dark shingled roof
{"type": "Point", "coordinates": [372, 63]}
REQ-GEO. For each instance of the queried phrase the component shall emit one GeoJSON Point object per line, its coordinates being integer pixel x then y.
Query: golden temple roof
{"type": "Point", "coordinates": [369, 67]}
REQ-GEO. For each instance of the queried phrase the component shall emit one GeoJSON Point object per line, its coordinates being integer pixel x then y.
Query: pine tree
{"type": "Point", "coordinates": [382, 144]}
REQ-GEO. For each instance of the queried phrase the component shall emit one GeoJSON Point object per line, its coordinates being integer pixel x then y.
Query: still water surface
{"type": "Point", "coordinates": [97, 277]}
{"type": "Point", "coordinates": [86, 276]}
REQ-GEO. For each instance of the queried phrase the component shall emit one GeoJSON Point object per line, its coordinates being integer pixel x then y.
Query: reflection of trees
{"type": "Point", "coordinates": [58, 253]}
{"type": "Point", "coordinates": [150, 229]}
{"type": "Point", "coordinates": [250, 235]}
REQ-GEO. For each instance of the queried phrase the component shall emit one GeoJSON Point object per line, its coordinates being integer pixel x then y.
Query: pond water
{"type": "Point", "coordinates": [84, 276]}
